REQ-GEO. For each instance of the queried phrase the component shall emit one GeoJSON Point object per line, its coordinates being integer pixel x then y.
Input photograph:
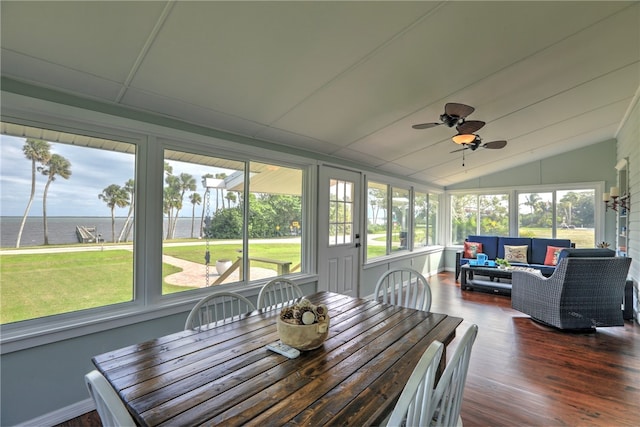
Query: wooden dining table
{"type": "Point", "coordinates": [225, 376]}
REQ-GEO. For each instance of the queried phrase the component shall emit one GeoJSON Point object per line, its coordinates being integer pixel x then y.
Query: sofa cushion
{"type": "Point", "coordinates": [517, 254]}
{"type": "Point", "coordinates": [489, 245]}
{"type": "Point", "coordinates": [472, 249]}
{"type": "Point", "coordinates": [514, 241]}
{"type": "Point", "coordinates": [553, 252]}
{"type": "Point", "coordinates": [539, 246]}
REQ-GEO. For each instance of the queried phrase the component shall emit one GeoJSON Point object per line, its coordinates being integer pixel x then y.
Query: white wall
{"type": "Point", "coordinates": [629, 147]}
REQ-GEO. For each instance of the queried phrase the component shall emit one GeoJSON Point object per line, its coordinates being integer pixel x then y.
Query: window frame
{"type": "Point", "coordinates": [597, 186]}
{"type": "Point", "coordinates": [150, 140]}
{"type": "Point", "coordinates": [411, 188]}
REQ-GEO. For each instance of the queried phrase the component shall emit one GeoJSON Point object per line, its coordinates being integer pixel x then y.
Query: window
{"type": "Point", "coordinates": [67, 211]}
{"type": "Point", "coordinates": [481, 214]}
{"type": "Point", "coordinates": [563, 214]}
{"type": "Point", "coordinates": [275, 219]}
{"type": "Point", "coordinates": [425, 213]}
{"type": "Point", "coordinates": [376, 219]}
{"type": "Point", "coordinates": [341, 199]}
{"type": "Point", "coordinates": [213, 189]}
{"type": "Point", "coordinates": [201, 203]}
{"type": "Point", "coordinates": [401, 222]}
{"type": "Point", "coordinates": [411, 225]}
{"type": "Point", "coordinates": [567, 213]}
{"type": "Point", "coordinates": [535, 216]}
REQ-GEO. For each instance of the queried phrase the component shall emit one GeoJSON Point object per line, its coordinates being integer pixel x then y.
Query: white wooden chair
{"type": "Point", "coordinates": [217, 308]}
{"type": "Point", "coordinates": [112, 411]}
{"type": "Point", "coordinates": [404, 287]}
{"type": "Point", "coordinates": [414, 407]}
{"type": "Point", "coordinates": [447, 396]}
{"type": "Point", "coordinates": [277, 293]}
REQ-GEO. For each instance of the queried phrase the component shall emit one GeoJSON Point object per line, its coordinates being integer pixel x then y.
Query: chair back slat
{"type": "Point", "coordinates": [218, 308]}
{"type": "Point", "coordinates": [278, 293]}
{"type": "Point", "coordinates": [404, 287]}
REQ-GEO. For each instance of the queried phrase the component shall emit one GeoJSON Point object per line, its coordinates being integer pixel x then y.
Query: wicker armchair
{"type": "Point", "coordinates": [583, 293]}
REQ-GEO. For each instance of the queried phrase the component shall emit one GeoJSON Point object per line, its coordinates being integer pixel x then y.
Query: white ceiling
{"type": "Point", "coordinates": [348, 79]}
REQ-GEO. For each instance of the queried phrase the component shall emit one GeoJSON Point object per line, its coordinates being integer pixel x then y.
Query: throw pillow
{"type": "Point", "coordinates": [552, 255]}
{"type": "Point", "coordinates": [516, 253]}
{"type": "Point", "coordinates": [472, 249]}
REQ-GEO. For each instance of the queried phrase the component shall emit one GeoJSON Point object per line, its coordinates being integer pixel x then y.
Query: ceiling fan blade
{"type": "Point", "coordinates": [425, 125]}
{"type": "Point", "coordinates": [471, 126]}
{"type": "Point", "coordinates": [494, 145]}
{"type": "Point", "coordinates": [460, 149]}
{"type": "Point", "coordinates": [458, 110]}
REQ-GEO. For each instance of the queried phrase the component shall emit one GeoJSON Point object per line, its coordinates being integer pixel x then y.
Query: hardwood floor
{"type": "Point", "coordinates": [525, 374]}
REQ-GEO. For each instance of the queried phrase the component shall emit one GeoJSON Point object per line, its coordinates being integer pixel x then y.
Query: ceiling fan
{"type": "Point", "coordinates": [455, 115]}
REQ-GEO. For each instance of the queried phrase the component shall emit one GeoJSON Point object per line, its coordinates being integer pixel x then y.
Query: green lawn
{"type": "Point", "coordinates": [38, 285]}
{"type": "Point", "coordinates": [582, 237]}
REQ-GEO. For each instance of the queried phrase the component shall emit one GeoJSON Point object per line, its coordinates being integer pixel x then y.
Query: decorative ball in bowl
{"type": "Point", "coordinates": [303, 326]}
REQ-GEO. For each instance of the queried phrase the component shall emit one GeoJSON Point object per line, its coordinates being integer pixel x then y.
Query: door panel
{"type": "Point", "coordinates": [339, 230]}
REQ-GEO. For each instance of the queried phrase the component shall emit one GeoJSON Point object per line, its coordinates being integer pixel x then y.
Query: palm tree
{"type": "Point", "coordinates": [57, 165]}
{"type": "Point", "coordinates": [37, 151]}
{"type": "Point", "coordinates": [186, 182]}
{"type": "Point", "coordinates": [172, 201]}
{"type": "Point", "coordinates": [532, 200]}
{"type": "Point", "coordinates": [114, 196]}
{"type": "Point", "coordinates": [130, 187]}
{"type": "Point", "coordinates": [195, 199]}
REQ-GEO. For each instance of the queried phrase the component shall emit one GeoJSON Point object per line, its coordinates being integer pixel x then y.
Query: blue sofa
{"type": "Point", "coordinates": [493, 247]}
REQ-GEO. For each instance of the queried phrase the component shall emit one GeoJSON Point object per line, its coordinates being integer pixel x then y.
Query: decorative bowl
{"type": "Point", "coordinates": [303, 337]}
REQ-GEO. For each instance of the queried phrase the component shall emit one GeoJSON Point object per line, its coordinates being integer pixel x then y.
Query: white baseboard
{"type": "Point", "coordinates": [61, 415]}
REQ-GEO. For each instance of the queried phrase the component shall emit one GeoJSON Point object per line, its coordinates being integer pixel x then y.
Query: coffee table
{"type": "Point", "coordinates": [469, 281]}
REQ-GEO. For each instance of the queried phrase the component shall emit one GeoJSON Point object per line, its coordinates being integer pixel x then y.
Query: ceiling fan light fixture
{"type": "Point", "coordinates": [464, 138]}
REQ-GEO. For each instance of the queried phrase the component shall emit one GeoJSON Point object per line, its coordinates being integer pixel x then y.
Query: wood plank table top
{"type": "Point", "coordinates": [225, 376]}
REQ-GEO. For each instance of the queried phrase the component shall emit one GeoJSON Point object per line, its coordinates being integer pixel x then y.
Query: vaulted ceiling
{"type": "Point", "coordinates": [348, 79]}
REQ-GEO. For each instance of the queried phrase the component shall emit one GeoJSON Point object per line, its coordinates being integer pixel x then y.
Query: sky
{"type": "Point", "coordinates": [92, 170]}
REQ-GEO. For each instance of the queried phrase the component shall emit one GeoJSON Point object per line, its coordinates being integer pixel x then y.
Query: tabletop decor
{"type": "Point", "coordinates": [502, 263]}
{"type": "Point", "coordinates": [304, 326]}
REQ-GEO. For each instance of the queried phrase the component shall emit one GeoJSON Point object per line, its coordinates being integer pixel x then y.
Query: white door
{"type": "Point", "coordinates": [338, 231]}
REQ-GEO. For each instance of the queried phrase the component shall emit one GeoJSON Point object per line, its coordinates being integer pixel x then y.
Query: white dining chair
{"type": "Point", "coordinates": [414, 406]}
{"type": "Point", "coordinates": [278, 292]}
{"type": "Point", "coordinates": [447, 396]}
{"type": "Point", "coordinates": [404, 287]}
{"type": "Point", "coordinates": [218, 308]}
{"type": "Point", "coordinates": [110, 408]}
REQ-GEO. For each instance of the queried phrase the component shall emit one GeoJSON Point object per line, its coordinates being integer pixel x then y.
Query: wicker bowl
{"type": "Point", "coordinates": [303, 337]}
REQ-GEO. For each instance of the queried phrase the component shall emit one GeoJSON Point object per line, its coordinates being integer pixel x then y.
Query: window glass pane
{"type": "Point", "coordinates": [494, 214]}
{"type": "Point", "coordinates": [400, 210]}
{"type": "Point", "coordinates": [575, 217]}
{"type": "Point", "coordinates": [275, 220]}
{"type": "Point", "coordinates": [203, 221]}
{"type": "Point", "coordinates": [376, 219]}
{"type": "Point", "coordinates": [535, 215]}
{"type": "Point", "coordinates": [67, 212]}
{"type": "Point", "coordinates": [421, 218]}
{"type": "Point", "coordinates": [464, 217]}
{"type": "Point", "coordinates": [341, 212]}
{"type": "Point", "coordinates": [432, 220]}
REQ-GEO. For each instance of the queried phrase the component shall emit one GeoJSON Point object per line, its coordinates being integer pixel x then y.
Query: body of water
{"type": "Point", "coordinates": [62, 230]}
